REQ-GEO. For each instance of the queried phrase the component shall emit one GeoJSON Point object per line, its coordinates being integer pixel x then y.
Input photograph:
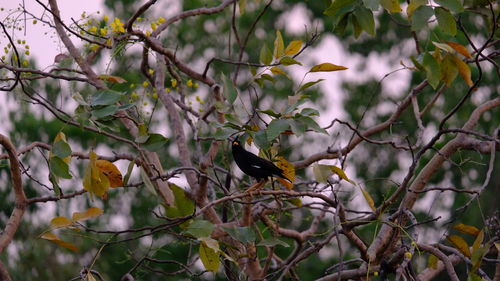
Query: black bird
{"type": "Point", "coordinates": [253, 165]}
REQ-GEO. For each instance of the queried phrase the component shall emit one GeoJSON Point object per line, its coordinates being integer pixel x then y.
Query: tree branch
{"type": "Point", "coordinates": [20, 198]}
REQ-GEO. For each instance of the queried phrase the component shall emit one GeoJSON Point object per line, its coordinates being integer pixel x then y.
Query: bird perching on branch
{"type": "Point", "coordinates": [259, 168]}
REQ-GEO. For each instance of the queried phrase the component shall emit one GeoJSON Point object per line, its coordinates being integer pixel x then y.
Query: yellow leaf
{"type": "Point", "coordinates": [111, 78]}
{"type": "Point", "coordinates": [432, 261]}
{"type": "Point", "coordinates": [279, 46]}
{"type": "Point", "coordinates": [327, 67]}
{"type": "Point", "coordinates": [88, 214]}
{"type": "Point", "coordinates": [478, 241]}
{"type": "Point", "coordinates": [497, 245]}
{"type": "Point", "coordinates": [460, 244]}
{"type": "Point", "coordinates": [53, 238]}
{"type": "Point", "coordinates": [467, 229]}
{"type": "Point", "coordinates": [391, 5]}
{"type": "Point", "coordinates": [94, 181]}
{"type": "Point", "coordinates": [276, 70]}
{"type": "Point", "coordinates": [209, 257]}
{"type": "Point", "coordinates": [368, 198]}
{"type": "Point", "coordinates": [49, 236]}
{"type": "Point", "coordinates": [67, 245]}
{"type": "Point", "coordinates": [463, 70]}
{"type": "Point", "coordinates": [459, 48]}
{"type": "Point", "coordinates": [341, 173]}
{"type": "Point", "coordinates": [288, 171]}
{"type": "Point", "coordinates": [295, 201]}
{"type": "Point", "coordinates": [293, 47]}
{"type": "Point", "coordinates": [60, 137]}
{"type": "Point", "coordinates": [111, 171]}
{"type": "Point", "coordinates": [59, 222]}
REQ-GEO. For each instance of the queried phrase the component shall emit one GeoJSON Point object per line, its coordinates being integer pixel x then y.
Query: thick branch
{"type": "Point", "coordinates": [448, 265]}
{"type": "Point", "coordinates": [20, 198]}
{"type": "Point", "coordinates": [425, 175]}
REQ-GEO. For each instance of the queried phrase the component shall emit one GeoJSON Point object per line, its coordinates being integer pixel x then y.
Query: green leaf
{"type": "Point", "coordinates": [452, 5]}
{"type": "Point", "coordinates": [372, 4]}
{"type": "Point", "coordinates": [477, 257]}
{"type": "Point", "coordinates": [224, 133]}
{"type": "Point", "coordinates": [446, 21]}
{"type": "Point", "coordinates": [147, 182]}
{"type": "Point", "coordinates": [288, 61]}
{"type": "Point", "coordinates": [309, 84]}
{"type": "Point", "coordinates": [420, 17]}
{"type": "Point", "coordinates": [230, 91]}
{"type": "Point", "coordinates": [432, 70]}
{"type": "Point", "coordinates": [61, 149]}
{"type": "Point", "coordinates": [311, 124]}
{"type": "Point", "coordinates": [275, 128]}
{"type": "Point", "coordinates": [130, 168]}
{"type": "Point", "coordinates": [105, 111]}
{"type": "Point", "coordinates": [356, 26]}
{"type": "Point", "coordinates": [417, 63]}
{"type": "Point", "coordinates": [298, 128]}
{"type": "Point", "coordinates": [183, 205]}
{"type": "Point", "coordinates": [155, 143]}
{"type": "Point", "coordinates": [413, 5]}
{"type": "Point", "coordinates": [340, 26]}
{"type": "Point", "coordinates": [243, 234]}
{"type": "Point", "coordinates": [209, 257]}
{"type": "Point", "coordinates": [279, 45]}
{"type": "Point", "coordinates": [273, 241]}
{"type": "Point", "coordinates": [59, 168]}
{"type": "Point", "coordinates": [267, 77]}
{"type": "Point", "coordinates": [391, 5]}
{"type": "Point", "coordinates": [106, 97]}
{"type": "Point", "coordinates": [309, 112]}
{"type": "Point", "coordinates": [55, 184]}
{"type": "Point", "coordinates": [445, 47]}
{"type": "Point", "coordinates": [270, 112]}
{"type": "Point", "coordinates": [365, 19]}
{"type": "Point", "coordinates": [340, 7]}
{"type": "Point", "coordinates": [266, 56]}
{"type": "Point", "coordinates": [260, 139]}
{"type": "Point", "coordinates": [200, 228]}
{"type": "Point", "coordinates": [321, 173]}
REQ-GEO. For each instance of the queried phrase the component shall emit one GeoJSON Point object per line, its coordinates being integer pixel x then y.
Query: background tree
{"type": "Point", "coordinates": [118, 154]}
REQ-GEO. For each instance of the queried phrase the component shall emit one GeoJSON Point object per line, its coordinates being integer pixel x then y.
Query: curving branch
{"type": "Point", "coordinates": [423, 177]}
{"type": "Point", "coordinates": [328, 154]}
{"type": "Point", "coordinates": [20, 198]}
{"type": "Point", "coordinates": [191, 13]}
